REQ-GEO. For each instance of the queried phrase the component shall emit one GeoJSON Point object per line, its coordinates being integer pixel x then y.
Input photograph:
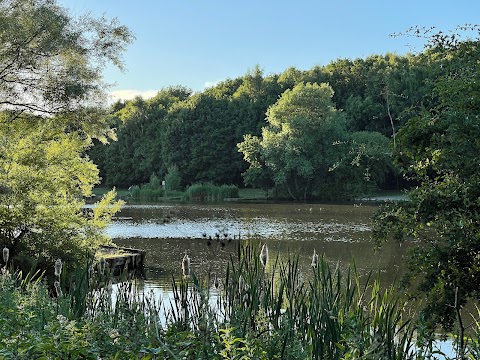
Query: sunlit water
{"type": "Point", "coordinates": [166, 232]}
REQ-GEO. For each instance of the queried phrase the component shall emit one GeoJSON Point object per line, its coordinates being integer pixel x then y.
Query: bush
{"type": "Point", "coordinates": [210, 192]}
{"type": "Point", "coordinates": [152, 190]}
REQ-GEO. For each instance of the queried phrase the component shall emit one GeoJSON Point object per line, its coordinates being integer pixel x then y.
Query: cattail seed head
{"type": "Point", "coordinates": [314, 259]}
{"type": "Point", "coordinates": [58, 288]}
{"type": "Point", "coordinates": [264, 255]}
{"type": "Point", "coordinates": [6, 254]}
{"type": "Point", "coordinates": [186, 265]}
{"type": "Point", "coordinates": [58, 268]}
{"type": "Point", "coordinates": [102, 265]}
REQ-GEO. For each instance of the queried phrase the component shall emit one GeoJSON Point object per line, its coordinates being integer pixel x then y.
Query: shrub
{"type": "Point", "coordinates": [210, 192]}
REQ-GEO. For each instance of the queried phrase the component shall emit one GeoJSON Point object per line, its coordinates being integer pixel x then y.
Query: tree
{"type": "Point", "coordinates": [45, 176]}
{"type": "Point", "coordinates": [50, 85]}
{"type": "Point", "coordinates": [258, 174]}
{"type": "Point", "coordinates": [297, 144]}
{"type": "Point", "coordinates": [173, 180]}
{"type": "Point", "coordinates": [51, 62]}
{"type": "Point", "coordinates": [364, 161]}
{"type": "Point", "coordinates": [439, 149]}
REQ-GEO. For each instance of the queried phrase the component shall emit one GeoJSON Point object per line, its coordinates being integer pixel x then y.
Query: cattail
{"type": "Point", "coordinates": [314, 259]}
{"type": "Point", "coordinates": [102, 265]}
{"type": "Point", "coordinates": [6, 255]}
{"type": "Point", "coordinates": [186, 265]}
{"type": "Point", "coordinates": [264, 255]}
{"type": "Point", "coordinates": [58, 268]}
{"type": "Point", "coordinates": [91, 270]}
{"type": "Point", "coordinates": [58, 289]}
{"type": "Point", "coordinates": [241, 285]}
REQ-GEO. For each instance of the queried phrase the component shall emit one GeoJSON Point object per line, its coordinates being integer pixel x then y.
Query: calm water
{"type": "Point", "coordinates": [166, 232]}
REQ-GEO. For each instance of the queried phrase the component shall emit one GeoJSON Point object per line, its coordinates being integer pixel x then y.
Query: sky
{"type": "Point", "coordinates": [198, 43]}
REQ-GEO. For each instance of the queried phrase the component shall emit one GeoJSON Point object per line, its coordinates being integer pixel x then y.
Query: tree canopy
{"type": "Point", "coordinates": [52, 62]}
{"type": "Point", "coordinates": [199, 132]}
{"type": "Point", "coordinates": [50, 109]}
{"type": "Point", "coordinates": [438, 148]}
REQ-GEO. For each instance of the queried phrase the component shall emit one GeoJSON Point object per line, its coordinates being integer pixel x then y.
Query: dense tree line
{"type": "Point", "coordinates": [198, 133]}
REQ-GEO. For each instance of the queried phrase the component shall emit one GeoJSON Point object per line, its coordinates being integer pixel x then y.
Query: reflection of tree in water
{"type": "Point", "coordinates": [341, 232]}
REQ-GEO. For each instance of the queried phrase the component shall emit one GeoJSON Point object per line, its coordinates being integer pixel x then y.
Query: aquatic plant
{"type": "Point", "coordinates": [6, 255]}
{"type": "Point", "coordinates": [58, 289]}
{"type": "Point", "coordinates": [314, 259]}
{"type": "Point", "coordinates": [102, 265]}
{"type": "Point", "coordinates": [264, 255]}
{"type": "Point", "coordinates": [210, 192]}
{"type": "Point", "coordinates": [58, 268]}
{"type": "Point", "coordinates": [186, 265]}
{"type": "Point", "coordinates": [335, 314]}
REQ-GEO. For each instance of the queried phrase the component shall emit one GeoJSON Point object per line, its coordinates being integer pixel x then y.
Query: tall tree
{"type": "Point", "coordinates": [297, 144]}
{"type": "Point", "coordinates": [51, 62]}
{"type": "Point", "coordinates": [50, 86]}
{"type": "Point", "coordinates": [439, 149]}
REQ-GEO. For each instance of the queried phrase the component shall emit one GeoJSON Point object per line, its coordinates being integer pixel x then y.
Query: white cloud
{"type": "Point", "coordinates": [209, 84]}
{"type": "Point", "coordinates": [130, 94]}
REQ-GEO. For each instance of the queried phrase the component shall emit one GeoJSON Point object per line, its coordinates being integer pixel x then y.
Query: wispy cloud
{"type": "Point", "coordinates": [209, 84]}
{"type": "Point", "coordinates": [130, 94]}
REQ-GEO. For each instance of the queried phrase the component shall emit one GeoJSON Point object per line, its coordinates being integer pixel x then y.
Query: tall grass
{"type": "Point", "coordinates": [257, 313]}
{"type": "Point", "coordinates": [210, 192]}
{"type": "Point", "coordinates": [332, 316]}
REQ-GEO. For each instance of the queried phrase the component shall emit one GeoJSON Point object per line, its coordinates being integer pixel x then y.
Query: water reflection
{"type": "Point", "coordinates": [166, 232]}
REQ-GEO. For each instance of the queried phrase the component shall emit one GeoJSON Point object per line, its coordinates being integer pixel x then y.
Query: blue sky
{"type": "Point", "coordinates": [197, 43]}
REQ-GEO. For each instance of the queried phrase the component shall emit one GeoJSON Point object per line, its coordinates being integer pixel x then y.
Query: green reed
{"type": "Point", "coordinates": [210, 192]}
{"type": "Point", "coordinates": [260, 311]}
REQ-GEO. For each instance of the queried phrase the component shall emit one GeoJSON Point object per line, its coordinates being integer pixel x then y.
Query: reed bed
{"type": "Point", "coordinates": [262, 309]}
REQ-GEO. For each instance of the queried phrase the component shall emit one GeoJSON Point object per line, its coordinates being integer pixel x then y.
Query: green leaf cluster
{"type": "Point", "coordinates": [438, 149]}
{"type": "Point", "coordinates": [199, 132]}
{"type": "Point", "coordinates": [51, 94]}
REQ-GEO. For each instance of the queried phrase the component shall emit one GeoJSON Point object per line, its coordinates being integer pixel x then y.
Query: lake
{"type": "Point", "coordinates": [167, 231]}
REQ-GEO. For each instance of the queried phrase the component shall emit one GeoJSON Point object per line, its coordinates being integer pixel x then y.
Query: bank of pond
{"type": "Point", "coordinates": [262, 308]}
{"type": "Point", "coordinates": [204, 300]}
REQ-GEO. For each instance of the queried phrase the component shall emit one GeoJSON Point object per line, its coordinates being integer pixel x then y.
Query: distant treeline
{"type": "Point", "coordinates": [196, 134]}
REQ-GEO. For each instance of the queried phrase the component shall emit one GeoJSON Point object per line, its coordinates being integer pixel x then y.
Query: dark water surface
{"type": "Point", "coordinates": [166, 232]}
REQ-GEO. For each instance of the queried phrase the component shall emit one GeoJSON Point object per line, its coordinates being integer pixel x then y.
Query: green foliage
{"type": "Point", "coordinates": [210, 192]}
{"type": "Point", "coordinates": [47, 177]}
{"type": "Point", "coordinates": [365, 161]}
{"type": "Point", "coordinates": [153, 190]}
{"type": "Point", "coordinates": [52, 61]}
{"type": "Point", "coordinates": [439, 149]}
{"type": "Point", "coordinates": [297, 143]}
{"type": "Point", "coordinates": [306, 151]}
{"type": "Point", "coordinates": [51, 95]}
{"type": "Point", "coordinates": [258, 312]}
{"type": "Point", "coordinates": [173, 180]}
{"type": "Point", "coordinates": [199, 133]}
